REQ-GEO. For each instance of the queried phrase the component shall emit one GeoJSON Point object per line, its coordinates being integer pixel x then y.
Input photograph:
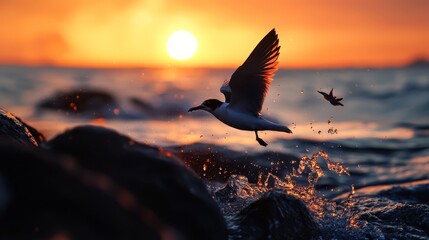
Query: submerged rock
{"type": "Point", "coordinates": [15, 130]}
{"type": "Point", "coordinates": [160, 182]}
{"type": "Point", "coordinates": [275, 216]}
{"type": "Point", "coordinates": [88, 103]}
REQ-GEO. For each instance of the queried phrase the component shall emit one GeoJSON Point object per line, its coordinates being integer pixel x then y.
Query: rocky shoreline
{"type": "Point", "coordinates": [94, 183]}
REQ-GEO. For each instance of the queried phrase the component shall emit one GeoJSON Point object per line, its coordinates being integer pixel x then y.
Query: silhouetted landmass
{"type": "Point", "coordinates": [418, 63]}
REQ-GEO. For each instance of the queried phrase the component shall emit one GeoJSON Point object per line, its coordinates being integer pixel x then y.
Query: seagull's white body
{"type": "Point", "coordinates": [245, 92]}
{"type": "Point", "coordinates": [244, 121]}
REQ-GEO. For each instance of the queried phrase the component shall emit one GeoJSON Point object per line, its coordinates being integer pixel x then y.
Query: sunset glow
{"type": "Point", "coordinates": [181, 45]}
{"type": "Point", "coordinates": [131, 33]}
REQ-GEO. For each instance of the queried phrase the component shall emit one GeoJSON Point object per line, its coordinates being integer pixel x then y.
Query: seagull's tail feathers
{"type": "Point", "coordinates": [286, 129]}
{"type": "Point", "coordinates": [272, 126]}
{"type": "Point", "coordinates": [281, 128]}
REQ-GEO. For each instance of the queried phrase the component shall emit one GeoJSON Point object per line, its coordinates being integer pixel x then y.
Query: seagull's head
{"type": "Point", "coordinates": [209, 105]}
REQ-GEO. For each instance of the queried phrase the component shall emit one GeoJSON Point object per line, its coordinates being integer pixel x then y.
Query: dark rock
{"type": "Point", "coordinates": [82, 102]}
{"type": "Point", "coordinates": [216, 163]}
{"type": "Point", "coordinates": [38, 136]}
{"type": "Point", "coordinates": [15, 130]}
{"type": "Point", "coordinates": [142, 105]}
{"type": "Point", "coordinates": [164, 109]}
{"type": "Point", "coordinates": [394, 220]}
{"type": "Point", "coordinates": [159, 182]}
{"type": "Point", "coordinates": [237, 188]}
{"type": "Point", "coordinates": [275, 216]}
{"type": "Point", "coordinates": [47, 196]}
{"type": "Point", "coordinates": [236, 194]}
{"type": "Point", "coordinates": [412, 194]}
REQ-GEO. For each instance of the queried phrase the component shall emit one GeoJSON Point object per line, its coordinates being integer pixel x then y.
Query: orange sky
{"type": "Point", "coordinates": [119, 33]}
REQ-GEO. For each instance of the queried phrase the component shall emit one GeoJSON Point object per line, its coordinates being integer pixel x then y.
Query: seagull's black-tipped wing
{"type": "Point", "coordinates": [250, 82]}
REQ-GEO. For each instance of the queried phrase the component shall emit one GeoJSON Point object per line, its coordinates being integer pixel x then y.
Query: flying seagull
{"type": "Point", "coordinates": [331, 98]}
{"type": "Point", "coordinates": [246, 90]}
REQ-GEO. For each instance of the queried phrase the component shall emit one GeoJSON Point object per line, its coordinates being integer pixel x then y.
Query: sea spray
{"type": "Point", "coordinates": [239, 192]}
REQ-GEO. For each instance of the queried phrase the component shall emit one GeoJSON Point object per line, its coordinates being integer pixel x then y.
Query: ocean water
{"type": "Point", "coordinates": [381, 135]}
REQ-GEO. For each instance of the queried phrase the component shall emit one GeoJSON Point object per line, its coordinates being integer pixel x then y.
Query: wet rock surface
{"type": "Point", "coordinates": [413, 194]}
{"type": "Point", "coordinates": [257, 212]}
{"type": "Point", "coordinates": [237, 188]}
{"type": "Point", "coordinates": [38, 136]}
{"type": "Point", "coordinates": [15, 130]}
{"type": "Point", "coordinates": [395, 215]}
{"type": "Point", "coordinates": [88, 103]}
{"type": "Point", "coordinates": [275, 215]}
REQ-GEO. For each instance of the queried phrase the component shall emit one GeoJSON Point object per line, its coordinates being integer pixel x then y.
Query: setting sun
{"type": "Point", "coordinates": [181, 45]}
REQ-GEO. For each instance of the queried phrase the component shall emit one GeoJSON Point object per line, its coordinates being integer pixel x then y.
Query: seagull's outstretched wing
{"type": "Point", "coordinates": [251, 81]}
{"type": "Point", "coordinates": [226, 90]}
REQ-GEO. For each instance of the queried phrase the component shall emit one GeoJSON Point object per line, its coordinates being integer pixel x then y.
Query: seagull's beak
{"type": "Point", "coordinates": [195, 108]}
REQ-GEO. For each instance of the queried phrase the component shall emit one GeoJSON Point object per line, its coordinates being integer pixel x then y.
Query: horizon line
{"type": "Point", "coordinates": [200, 67]}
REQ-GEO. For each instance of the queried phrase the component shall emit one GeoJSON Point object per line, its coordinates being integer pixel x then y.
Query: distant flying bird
{"type": "Point", "coordinates": [246, 91]}
{"type": "Point", "coordinates": [331, 98]}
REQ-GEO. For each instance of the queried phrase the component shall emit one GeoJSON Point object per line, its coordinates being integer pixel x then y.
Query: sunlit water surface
{"type": "Point", "coordinates": [380, 137]}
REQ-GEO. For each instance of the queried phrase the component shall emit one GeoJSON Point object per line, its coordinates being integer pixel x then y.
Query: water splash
{"type": "Point", "coordinates": [352, 217]}
{"type": "Point", "coordinates": [321, 207]}
{"type": "Point", "coordinates": [309, 168]}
